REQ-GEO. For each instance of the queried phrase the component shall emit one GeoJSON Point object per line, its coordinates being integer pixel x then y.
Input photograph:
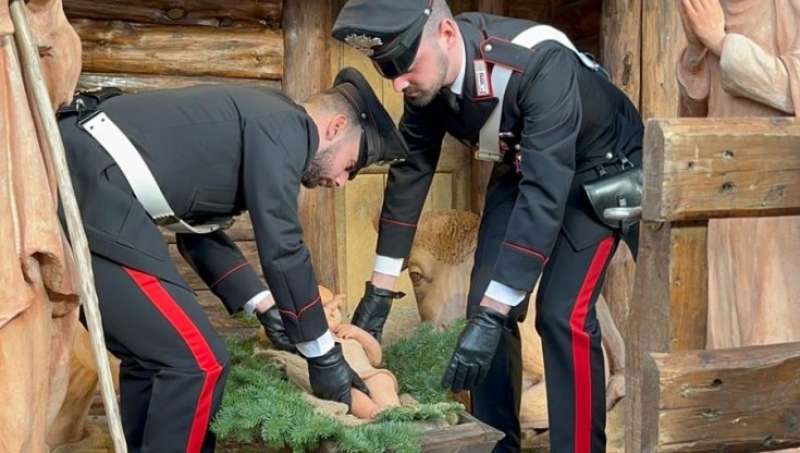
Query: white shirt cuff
{"type": "Point", "coordinates": [504, 294]}
{"type": "Point", "coordinates": [388, 265]}
{"type": "Point", "coordinates": [250, 305]}
{"type": "Point", "coordinates": [318, 347]}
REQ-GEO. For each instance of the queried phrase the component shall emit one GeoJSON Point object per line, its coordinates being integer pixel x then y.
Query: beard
{"type": "Point", "coordinates": [423, 97]}
{"type": "Point", "coordinates": [322, 160]}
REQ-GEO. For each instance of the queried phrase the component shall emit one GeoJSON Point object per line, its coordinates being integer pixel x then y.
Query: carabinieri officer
{"type": "Point", "coordinates": [189, 160]}
{"type": "Point", "coordinates": [560, 133]}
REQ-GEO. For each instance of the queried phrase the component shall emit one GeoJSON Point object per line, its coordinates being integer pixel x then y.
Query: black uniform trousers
{"type": "Point", "coordinates": [568, 326]}
{"type": "Point", "coordinates": [173, 364]}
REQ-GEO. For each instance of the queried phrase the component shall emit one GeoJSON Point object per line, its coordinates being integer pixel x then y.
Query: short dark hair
{"type": "Point", "coordinates": [439, 12]}
{"type": "Point", "coordinates": [333, 101]}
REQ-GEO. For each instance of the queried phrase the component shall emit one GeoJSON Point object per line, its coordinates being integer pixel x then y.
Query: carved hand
{"type": "Point", "coordinates": [707, 20]}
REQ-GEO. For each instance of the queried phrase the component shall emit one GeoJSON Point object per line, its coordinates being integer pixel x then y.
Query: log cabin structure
{"type": "Point", "coordinates": [149, 44]}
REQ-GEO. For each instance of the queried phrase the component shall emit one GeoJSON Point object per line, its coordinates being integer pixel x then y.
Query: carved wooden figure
{"type": "Point", "coordinates": [743, 59]}
{"type": "Point", "coordinates": [37, 293]}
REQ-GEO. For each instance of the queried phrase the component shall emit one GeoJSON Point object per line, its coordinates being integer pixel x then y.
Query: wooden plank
{"type": "Point", "coordinates": [363, 201]}
{"type": "Point", "coordinates": [622, 45]}
{"type": "Point", "coordinates": [670, 308]}
{"type": "Point", "coordinates": [218, 13]}
{"type": "Point", "coordinates": [248, 249]}
{"type": "Point", "coordinates": [134, 83]}
{"type": "Point", "coordinates": [306, 27]}
{"type": "Point", "coordinates": [114, 47]}
{"type": "Point", "coordinates": [662, 41]}
{"type": "Point", "coordinates": [744, 399]}
{"type": "Point", "coordinates": [469, 435]}
{"type": "Point", "coordinates": [713, 168]}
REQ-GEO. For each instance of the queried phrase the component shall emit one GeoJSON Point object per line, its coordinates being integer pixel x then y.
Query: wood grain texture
{"type": "Point", "coordinates": [134, 83]}
{"type": "Point", "coordinates": [662, 41]}
{"type": "Point", "coordinates": [622, 45]}
{"type": "Point", "coordinates": [715, 168]}
{"type": "Point", "coordinates": [306, 26]}
{"type": "Point", "coordinates": [669, 310]}
{"type": "Point", "coordinates": [124, 47]}
{"type": "Point", "coordinates": [218, 13]}
{"type": "Point", "coordinates": [744, 399]}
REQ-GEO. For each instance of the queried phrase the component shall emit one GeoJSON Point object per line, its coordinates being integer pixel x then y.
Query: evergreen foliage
{"type": "Point", "coordinates": [261, 405]}
{"type": "Point", "coordinates": [419, 361]}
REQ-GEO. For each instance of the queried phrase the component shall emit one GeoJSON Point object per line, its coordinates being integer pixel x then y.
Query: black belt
{"type": "Point", "coordinates": [87, 102]}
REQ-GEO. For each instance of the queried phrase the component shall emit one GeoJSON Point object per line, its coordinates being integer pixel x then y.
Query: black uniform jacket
{"type": "Point", "coordinates": [562, 116]}
{"type": "Point", "coordinates": [215, 151]}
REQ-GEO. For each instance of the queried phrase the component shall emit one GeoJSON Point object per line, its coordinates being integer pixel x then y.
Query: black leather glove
{"type": "Point", "coordinates": [276, 332]}
{"type": "Point", "coordinates": [332, 378]}
{"type": "Point", "coordinates": [373, 309]}
{"type": "Point", "coordinates": [476, 347]}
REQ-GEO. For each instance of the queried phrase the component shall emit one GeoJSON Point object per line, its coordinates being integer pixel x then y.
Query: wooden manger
{"type": "Point", "coordinates": [681, 397]}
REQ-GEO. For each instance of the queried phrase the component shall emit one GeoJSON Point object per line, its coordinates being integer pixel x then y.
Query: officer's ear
{"type": "Point", "coordinates": [448, 32]}
{"type": "Point", "coordinates": [337, 126]}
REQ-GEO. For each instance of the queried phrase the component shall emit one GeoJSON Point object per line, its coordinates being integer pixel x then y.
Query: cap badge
{"type": "Point", "coordinates": [363, 43]}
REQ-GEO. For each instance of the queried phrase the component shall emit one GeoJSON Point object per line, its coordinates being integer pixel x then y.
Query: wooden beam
{"type": "Point", "coordinates": [662, 41]}
{"type": "Point", "coordinates": [669, 309]}
{"type": "Point", "coordinates": [121, 47]}
{"type": "Point", "coordinates": [714, 168]}
{"type": "Point", "coordinates": [134, 83]}
{"type": "Point", "coordinates": [743, 399]}
{"type": "Point", "coordinates": [306, 25]}
{"type": "Point", "coordinates": [218, 13]}
{"type": "Point", "coordinates": [622, 45]}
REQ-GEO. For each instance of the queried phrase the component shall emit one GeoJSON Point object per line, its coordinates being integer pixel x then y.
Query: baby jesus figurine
{"type": "Point", "coordinates": [363, 353]}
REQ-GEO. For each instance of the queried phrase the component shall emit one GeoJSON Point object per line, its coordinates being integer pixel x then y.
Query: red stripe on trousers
{"type": "Point", "coordinates": [581, 347]}
{"type": "Point", "coordinates": [197, 344]}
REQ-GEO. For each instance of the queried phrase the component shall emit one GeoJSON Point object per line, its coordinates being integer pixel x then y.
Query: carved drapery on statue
{"type": "Point", "coordinates": [753, 290]}
{"type": "Point", "coordinates": [38, 291]}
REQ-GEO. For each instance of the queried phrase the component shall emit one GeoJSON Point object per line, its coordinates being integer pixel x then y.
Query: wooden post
{"type": "Point", "coordinates": [306, 28]}
{"type": "Point", "coordinates": [621, 56]}
{"type": "Point", "coordinates": [48, 130]}
{"type": "Point", "coordinates": [662, 41]}
{"type": "Point", "coordinates": [622, 45]}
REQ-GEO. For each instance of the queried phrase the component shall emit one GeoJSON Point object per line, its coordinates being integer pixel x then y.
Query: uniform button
{"type": "Point", "coordinates": [609, 156]}
{"type": "Point", "coordinates": [487, 47]}
{"type": "Point", "coordinates": [518, 147]}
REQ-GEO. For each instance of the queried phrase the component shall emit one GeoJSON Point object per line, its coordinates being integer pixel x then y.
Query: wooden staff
{"type": "Point", "coordinates": [46, 122]}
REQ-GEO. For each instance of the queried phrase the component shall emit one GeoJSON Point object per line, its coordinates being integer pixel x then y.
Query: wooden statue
{"type": "Point", "coordinates": [38, 298]}
{"type": "Point", "coordinates": [440, 263]}
{"type": "Point", "coordinates": [364, 355]}
{"type": "Point", "coordinates": [743, 59]}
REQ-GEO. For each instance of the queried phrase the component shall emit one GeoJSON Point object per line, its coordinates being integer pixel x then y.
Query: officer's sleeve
{"type": "Point", "coordinates": [551, 107]}
{"type": "Point", "coordinates": [409, 181]}
{"type": "Point", "coordinates": [223, 268]}
{"type": "Point", "coordinates": [275, 151]}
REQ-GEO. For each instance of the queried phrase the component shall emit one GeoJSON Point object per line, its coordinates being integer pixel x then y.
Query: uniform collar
{"type": "Point", "coordinates": [458, 85]}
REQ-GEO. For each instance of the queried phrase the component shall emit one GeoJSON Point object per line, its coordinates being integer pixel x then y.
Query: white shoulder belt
{"type": "Point", "coordinates": [138, 174]}
{"type": "Point", "coordinates": [489, 145]}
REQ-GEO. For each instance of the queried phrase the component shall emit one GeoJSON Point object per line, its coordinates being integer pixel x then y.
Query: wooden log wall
{"type": "Point", "coordinates": [140, 45]}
